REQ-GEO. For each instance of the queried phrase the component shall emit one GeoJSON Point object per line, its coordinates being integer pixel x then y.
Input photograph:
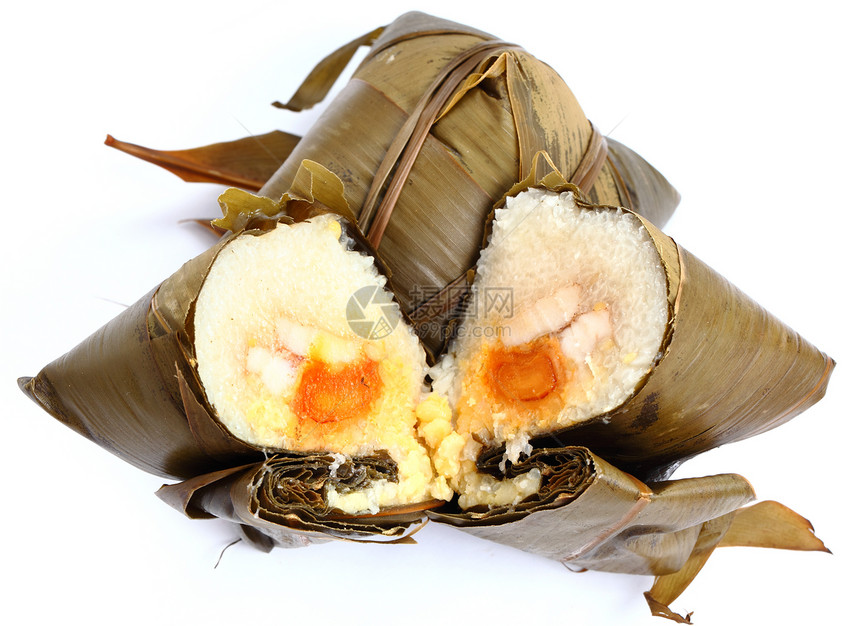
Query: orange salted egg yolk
{"type": "Point", "coordinates": [329, 393]}
{"type": "Point", "coordinates": [524, 373]}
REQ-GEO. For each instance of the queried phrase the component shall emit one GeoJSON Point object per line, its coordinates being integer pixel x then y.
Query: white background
{"type": "Point", "coordinates": [749, 109]}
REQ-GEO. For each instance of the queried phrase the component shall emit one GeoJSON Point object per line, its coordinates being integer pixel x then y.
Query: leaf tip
{"type": "Point", "coordinates": [661, 609]}
{"type": "Point", "coordinates": [24, 384]}
{"type": "Point", "coordinates": [287, 105]}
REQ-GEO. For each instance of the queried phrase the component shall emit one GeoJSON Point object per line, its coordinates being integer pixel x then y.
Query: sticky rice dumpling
{"type": "Point", "coordinates": [586, 325]}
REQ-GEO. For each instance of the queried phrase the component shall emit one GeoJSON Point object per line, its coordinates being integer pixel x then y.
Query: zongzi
{"type": "Point", "coordinates": [587, 325]}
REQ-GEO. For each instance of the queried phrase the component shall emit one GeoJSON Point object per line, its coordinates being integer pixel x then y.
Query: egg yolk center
{"type": "Point", "coordinates": [329, 393]}
{"type": "Point", "coordinates": [524, 373]}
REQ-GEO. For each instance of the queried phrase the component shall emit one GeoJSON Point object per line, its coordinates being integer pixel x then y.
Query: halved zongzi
{"type": "Point", "coordinates": [280, 340]}
{"type": "Point", "coordinates": [587, 325]}
{"type": "Point", "coordinates": [299, 347]}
